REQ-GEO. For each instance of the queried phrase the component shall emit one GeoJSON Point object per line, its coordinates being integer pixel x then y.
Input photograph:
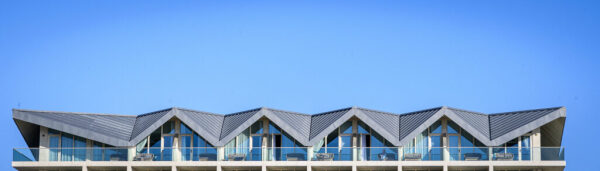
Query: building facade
{"type": "Point", "coordinates": [350, 139]}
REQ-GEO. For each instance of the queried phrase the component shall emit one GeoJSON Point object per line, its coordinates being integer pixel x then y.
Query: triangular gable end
{"type": "Point", "coordinates": [534, 119]}
{"type": "Point", "coordinates": [412, 124]}
{"type": "Point", "coordinates": [292, 123]}
{"type": "Point", "coordinates": [381, 123]}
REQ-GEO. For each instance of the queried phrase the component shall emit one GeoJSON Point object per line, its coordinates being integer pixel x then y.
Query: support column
{"type": "Point", "coordinates": [308, 168]}
{"type": "Point", "coordinates": [354, 140]}
{"type": "Point", "coordinates": [44, 152]}
{"type": "Point", "coordinates": [175, 149]}
{"type": "Point", "coordinates": [445, 167]}
{"type": "Point", "coordinates": [173, 168]}
{"type": "Point", "coordinates": [400, 153]}
{"type": "Point", "coordinates": [263, 168]}
{"type": "Point", "coordinates": [129, 168]}
{"type": "Point", "coordinates": [219, 168]}
{"type": "Point", "coordinates": [354, 168]}
{"type": "Point", "coordinates": [491, 168]}
{"type": "Point", "coordinates": [399, 167]}
{"type": "Point", "coordinates": [84, 168]}
{"type": "Point", "coordinates": [220, 154]}
{"type": "Point", "coordinates": [309, 153]}
{"type": "Point", "coordinates": [131, 153]}
{"type": "Point", "coordinates": [536, 145]}
{"type": "Point", "coordinates": [490, 153]}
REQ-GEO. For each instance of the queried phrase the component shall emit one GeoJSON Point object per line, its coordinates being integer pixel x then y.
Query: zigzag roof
{"type": "Point", "coordinates": [217, 129]}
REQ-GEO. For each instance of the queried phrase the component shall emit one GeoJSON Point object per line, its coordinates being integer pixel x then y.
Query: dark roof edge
{"type": "Point", "coordinates": [75, 113]}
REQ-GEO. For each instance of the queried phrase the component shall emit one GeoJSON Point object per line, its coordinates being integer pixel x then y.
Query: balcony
{"type": "Point", "coordinates": [450, 154]}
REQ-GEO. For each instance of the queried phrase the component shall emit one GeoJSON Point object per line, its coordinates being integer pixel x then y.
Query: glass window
{"type": "Point", "coordinates": [363, 128]}
{"type": "Point", "coordinates": [377, 140]}
{"type": "Point", "coordinates": [525, 148]}
{"type": "Point", "coordinates": [452, 127]}
{"type": "Point", "coordinates": [332, 139]}
{"type": "Point", "coordinates": [346, 128]}
{"type": "Point", "coordinates": [169, 127]}
{"type": "Point", "coordinates": [287, 141]}
{"type": "Point", "coordinates": [97, 152]}
{"type": "Point", "coordinates": [53, 132]}
{"type": "Point", "coordinates": [66, 144]}
{"type": "Point", "coordinates": [54, 140]}
{"type": "Point", "coordinates": [199, 141]}
{"type": "Point", "coordinates": [436, 127]}
{"type": "Point", "coordinates": [466, 140]}
{"type": "Point", "coordinates": [80, 151]}
{"type": "Point", "coordinates": [184, 129]}
{"type": "Point", "coordinates": [273, 129]}
{"type": "Point", "coordinates": [257, 128]}
{"type": "Point", "coordinates": [167, 151]}
{"type": "Point", "coordinates": [155, 139]}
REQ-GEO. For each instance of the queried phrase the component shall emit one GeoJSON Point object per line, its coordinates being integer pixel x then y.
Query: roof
{"type": "Point", "coordinates": [217, 129]}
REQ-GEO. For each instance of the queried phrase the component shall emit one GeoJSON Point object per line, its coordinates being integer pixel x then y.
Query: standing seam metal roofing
{"type": "Point", "coordinates": [492, 129]}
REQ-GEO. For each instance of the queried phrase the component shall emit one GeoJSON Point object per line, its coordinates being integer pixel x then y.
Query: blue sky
{"type": "Point", "coordinates": [137, 57]}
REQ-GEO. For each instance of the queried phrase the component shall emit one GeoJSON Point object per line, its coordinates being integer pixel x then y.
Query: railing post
{"type": "Point", "coordinates": [220, 153]}
{"type": "Point", "coordinates": [309, 153]}
{"type": "Point", "coordinates": [131, 153]}
{"type": "Point", "coordinates": [490, 153]}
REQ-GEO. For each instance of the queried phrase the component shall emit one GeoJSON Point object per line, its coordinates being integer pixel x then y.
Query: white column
{"type": "Point", "coordinates": [354, 168]}
{"type": "Point", "coordinates": [309, 153]}
{"type": "Point", "coordinates": [131, 153]}
{"type": "Point", "coordinates": [176, 152]}
{"type": "Point", "coordinates": [445, 167]}
{"type": "Point", "coordinates": [400, 153]}
{"type": "Point", "coordinates": [308, 168]}
{"type": "Point", "coordinates": [399, 167]}
{"type": "Point", "coordinates": [263, 168]}
{"type": "Point", "coordinates": [84, 168]}
{"type": "Point", "coordinates": [536, 144]}
{"type": "Point", "coordinates": [220, 153]}
{"type": "Point", "coordinates": [354, 140]}
{"type": "Point", "coordinates": [219, 168]}
{"type": "Point", "coordinates": [129, 168]}
{"type": "Point", "coordinates": [173, 168]}
{"type": "Point", "coordinates": [490, 153]}
{"type": "Point", "coordinates": [44, 152]}
{"type": "Point", "coordinates": [491, 168]}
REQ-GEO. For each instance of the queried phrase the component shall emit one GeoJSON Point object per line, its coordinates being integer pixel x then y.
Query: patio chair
{"type": "Point", "coordinates": [143, 157]}
{"type": "Point", "coordinates": [324, 156]}
{"type": "Point", "coordinates": [236, 157]}
{"type": "Point", "coordinates": [504, 156]}
{"type": "Point", "coordinates": [472, 156]}
{"type": "Point", "coordinates": [412, 156]}
{"type": "Point", "coordinates": [207, 157]}
{"type": "Point", "coordinates": [295, 157]}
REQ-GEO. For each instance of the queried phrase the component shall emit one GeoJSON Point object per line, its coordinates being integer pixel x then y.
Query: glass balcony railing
{"type": "Point", "coordinates": [334, 154]}
{"type": "Point", "coordinates": [423, 154]}
{"type": "Point", "coordinates": [377, 154]}
{"type": "Point", "coordinates": [292, 154]}
{"type": "Point", "coordinates": [70, 154]}
{"type": "Point", "coordinates": [199, 154]}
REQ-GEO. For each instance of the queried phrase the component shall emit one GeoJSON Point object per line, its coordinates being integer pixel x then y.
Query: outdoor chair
{"type": "Point", "coordinates": [472, 156]}
{"type": "Point", "coordinates": [504, 156]}
{"type": "Point", "coordinates": [295, 157]}
{"type": "Point", "coordinates": [207, 157]}
{"type": "Point", "coordinates": [412, 156]}
{"type": "Point", "coordinates": [324, 156]}
{"type": "Point", "coordinates": [236, 157]}
{"type": "Point", "coordinates": [143, 157]}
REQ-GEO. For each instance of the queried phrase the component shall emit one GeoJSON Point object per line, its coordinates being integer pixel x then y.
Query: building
{"type": "Point", "coordinates": [352, 139]}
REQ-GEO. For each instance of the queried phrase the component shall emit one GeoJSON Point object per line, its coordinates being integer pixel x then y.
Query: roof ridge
{"type": "Point", "coordinates": [296, 113]}
{"type": "Point", "coordinates": [158, 111]}
{"type": "Point", "coordinates": [197, 111]}
{"type": "Point", "coordinates": [529, 110]}
{"type": "Point", "coordinates": [245, 111]}
{"type": "Point", "coordinates": [323, 113]}
{"type": "Point", "coordinates": [382, 112]}
{"type": "Point", "coordinates": [74, 113]}
{"type": "Point", "coordinates": [479, 113]}
{"type": "Point", "coordinates": [421, 111]}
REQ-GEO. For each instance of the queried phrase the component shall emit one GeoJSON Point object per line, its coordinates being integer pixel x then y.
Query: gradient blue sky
{"type": "Point", "coordinates": [137, 57]}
